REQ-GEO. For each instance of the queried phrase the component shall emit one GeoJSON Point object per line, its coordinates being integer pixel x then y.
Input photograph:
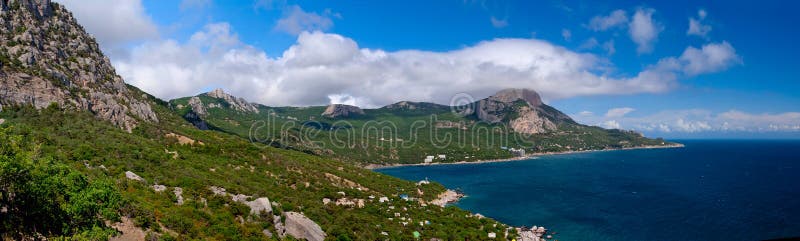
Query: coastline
{"type": "Point", "coordinates": [521, 158]}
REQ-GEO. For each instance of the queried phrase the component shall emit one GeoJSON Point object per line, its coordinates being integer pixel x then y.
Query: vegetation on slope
{"type": "Point", "coordinates": [402, 135]}
{"type": "Point", "coordinates": [72, 150]}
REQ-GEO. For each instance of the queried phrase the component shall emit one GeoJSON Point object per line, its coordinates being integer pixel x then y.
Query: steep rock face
{"type": "Point", "coordinates": [521, 109]}
{"type": "Point", "coordinates": [46, 57]}
{"type": "Point", "coordinates": [197, 106]}
{"type": "Point", "coordinates": [340, 110]}
{"type": "Point", "coordinates": [239, 104]}
{"type": "Point", "coordinates": [299, 226]}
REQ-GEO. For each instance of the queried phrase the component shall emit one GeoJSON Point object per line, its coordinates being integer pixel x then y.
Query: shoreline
{"type": "Point", "coordinates": [521, 158]}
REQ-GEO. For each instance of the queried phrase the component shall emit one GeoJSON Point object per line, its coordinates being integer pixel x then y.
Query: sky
{"type": "Point", "coordinates": [675, 69]}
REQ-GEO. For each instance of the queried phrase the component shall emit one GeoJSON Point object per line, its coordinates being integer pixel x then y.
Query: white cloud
{"type": "Point", "coordinates": [616, 18]}
{"type": "Point", "coordinates": [610, 124]}
{"type": "Point", "coordinates": [321, 65]}
{"type": "Point", "coordinates": [296, 21]}
{"type": "Point", "coordinates": [699, 120]}
{"type": "Point", "coordinates": [498, 23]}
{"type": "Point", "coordinates": [696, 26]}
{"type": "Point", "coordinates": [711, 57]}
{"type": "Point", "coordinates": [113, 23]}
{"type": "Point", "coordinates": [619, 112]}
{"type": "Point", "coordinates": [566, 34]}
{"type": "Point", "coordinates": [644, 30]}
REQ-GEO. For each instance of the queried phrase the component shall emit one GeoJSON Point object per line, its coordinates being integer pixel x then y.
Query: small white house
{"type": "Point", "coordinates": [441, 156]}
{"type": "Point", "coordinates": [383, 199]}
{"type": "Point", "coordinates": [428, 159]}
{"type": "Point", "coordinates": [492, 235]}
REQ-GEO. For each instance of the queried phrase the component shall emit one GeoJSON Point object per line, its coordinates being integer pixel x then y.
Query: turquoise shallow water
{"type": "Point", "coordinates": [709, 190]}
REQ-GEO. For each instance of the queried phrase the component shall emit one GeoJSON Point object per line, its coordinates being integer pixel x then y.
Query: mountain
{"type": "Point", "coordinates": [342, 111]}
{"type": "Point", "coordinates": [83, 156]}
{"type": "Point", "coordinates": [522, 109]}
{"type": "Point", "coordinates": [46, 57]}
{"type": "Point", "coordinates": [407, 132]}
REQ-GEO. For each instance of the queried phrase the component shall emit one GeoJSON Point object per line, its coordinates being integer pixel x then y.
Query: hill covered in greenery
{"type": "Point", "coordinates": [84, 156]}
{"type": "Point", "coordinates": [407, 132]}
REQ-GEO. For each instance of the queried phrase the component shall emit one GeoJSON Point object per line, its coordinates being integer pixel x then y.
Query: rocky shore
{"type": "Point", "coordinates": [447, 197]}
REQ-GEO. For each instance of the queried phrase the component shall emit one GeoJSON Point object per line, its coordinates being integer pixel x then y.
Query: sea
{"type": "Point", "coordinates": [707, 190]}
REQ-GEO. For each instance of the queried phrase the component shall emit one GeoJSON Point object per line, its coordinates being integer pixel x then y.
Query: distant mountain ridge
{"type": "Point", "coordinates": [518, 119]}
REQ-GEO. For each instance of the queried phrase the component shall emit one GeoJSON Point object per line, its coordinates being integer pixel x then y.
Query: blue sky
{"type": "Point", "coordinates": [617, 64]}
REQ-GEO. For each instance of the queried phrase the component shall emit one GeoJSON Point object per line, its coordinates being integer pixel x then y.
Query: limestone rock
{"type": "Point", "coordinates": [239, 104]}
{"type": "Point", "coordinates": [54, 61]}
{"type": "Point", "coordinates": [341, 110]}
{"type": "Point", "coordinates": [178, 195]}
{"type": "Point", "coordinates": [197, 106]}
{"type": "Point", "coordinates": [159, 188]}
{"type": "Point", "coordinates": [299, 226]}
{"type": "Point", "coordinates": [132, 176]}
{"type": "Point", "coordinates": [2, 121]}
{"type": "Point", "coordinates": [522, 109]}
{"type": "Point", "coordinates": [260, 205]}
{"type": "Point", "coordinates": [279, 228]}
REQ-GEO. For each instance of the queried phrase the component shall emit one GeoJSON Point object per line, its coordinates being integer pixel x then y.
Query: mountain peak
{"type": "Point", "coordinates": [236, 103]}
{"type": "Point", "coordinates": [46, 57]}
{"type": "Point", "coordinates": [218, 93]}
{"type": "Point", "coordinates": [510, 95]}
{"type": "Point", "coordinates": [342, 110]}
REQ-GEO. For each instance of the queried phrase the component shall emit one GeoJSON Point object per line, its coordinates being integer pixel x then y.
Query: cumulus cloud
{"type": "Point", "coordinates": [699, 120]}
{"type": "Point", "coordinates": [498, 23]}
{"type": "Point", "coordinates": [296, 21]}
{"type": "Point", "coordinates": [710, 58]}
{"type": "Point", "coordinates": [697, 27]}
{"type": "Point", "coordinates": [321, 68]}
{"type": "Point", "coordinates": [616, 18]}
{"type": "Point", "coordinates": [644, 30]}
{"type": "Point", "coordinates": [113, 23]}
{"type": "Point", "coordinates": [618, 112]}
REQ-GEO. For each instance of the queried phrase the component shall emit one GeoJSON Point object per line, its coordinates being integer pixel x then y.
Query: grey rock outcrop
{"type": "Point", "coordinates": [522, 109]}
{"type": "Point", "coordinates": [341, 110]}
{"type": "Point", "coordinates": [197, 106]}
{"type": "Point", "coordinates": [47, 57]}
{"type": "Point", "coordinates": [132, 176]}
{"type": "Point", "coordinates": [299, 226]}
{"type": "Point", "coordinates": [239, 104]}
{"type": "Point", "coordinates": [260, 205]}
{"type": "Point", "coordinates": [178, 195]}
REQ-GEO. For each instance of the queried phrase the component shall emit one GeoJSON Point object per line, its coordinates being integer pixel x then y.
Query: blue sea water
{"type": "Point", "coordinates": [708, 190]}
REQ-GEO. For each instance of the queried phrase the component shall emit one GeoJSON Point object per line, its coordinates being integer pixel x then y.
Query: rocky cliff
{"type": "Point", "coordinates": [235, 103]}
{"type": "Point", "coordinates": [46, 57]}
{"type": "Point", "coordinates": [522, 109]}
{"type": "Point", "coordinates": [340, 110]}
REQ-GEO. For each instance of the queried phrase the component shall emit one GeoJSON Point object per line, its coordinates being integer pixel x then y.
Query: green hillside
{"type": "Point", "coordinates": [75, 145]}
{"type": "Point", "coordinates": [399, 134]}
